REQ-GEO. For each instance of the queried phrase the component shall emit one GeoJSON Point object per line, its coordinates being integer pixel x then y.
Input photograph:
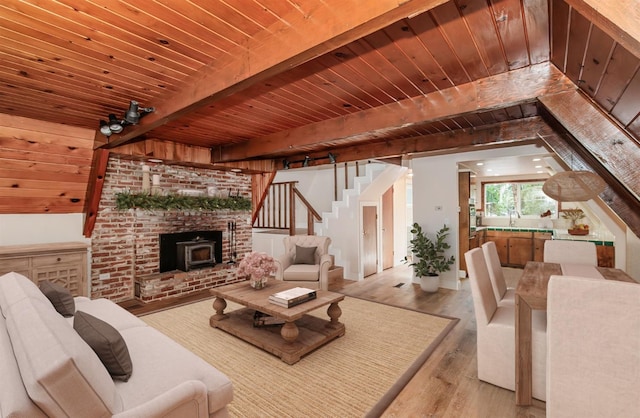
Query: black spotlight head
{"type": "Point", "coordinates": [286, 164]}
{"type": "Point", "coordinates": [104, 128]}
{"type": "Point", "coordinates": [114, 124]}
{"type": "Point", "coordinates": [306, 161]}
{"type": "Point", "coordinates": [332, 158]}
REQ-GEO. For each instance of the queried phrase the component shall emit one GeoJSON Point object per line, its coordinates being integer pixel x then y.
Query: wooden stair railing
{"type": "Point", "coordinates": [277, 210]}
{"type": "Point", "coordinates": [274, 203]}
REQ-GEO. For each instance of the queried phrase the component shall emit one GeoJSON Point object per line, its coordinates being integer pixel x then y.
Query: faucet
{"type": "Point", "coordinates": [512, 220]}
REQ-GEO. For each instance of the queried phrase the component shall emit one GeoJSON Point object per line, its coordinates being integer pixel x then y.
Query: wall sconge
{"type": "Point", "coordinates": [286, 164]}
{"type": "Point", "coordinates": [131, 117]}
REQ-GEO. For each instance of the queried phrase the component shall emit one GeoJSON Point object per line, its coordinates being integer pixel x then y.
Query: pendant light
{"type": "Point", "coordinates": [573, 186]}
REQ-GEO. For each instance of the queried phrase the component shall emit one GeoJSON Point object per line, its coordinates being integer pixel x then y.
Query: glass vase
{"type": "Point", "coordinates": [257, 282]}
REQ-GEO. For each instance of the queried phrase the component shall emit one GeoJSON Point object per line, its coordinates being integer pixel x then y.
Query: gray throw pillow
{"type": "Point", "coordinates": [305, 255]}
{"type": "Point", "coordinates": [107, 343]}
{"type": "Point", "coordinates": [60, 297]}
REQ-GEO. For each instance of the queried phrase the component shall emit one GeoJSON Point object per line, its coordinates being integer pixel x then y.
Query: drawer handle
{"type": "Point", "coordinates": [59, 259]}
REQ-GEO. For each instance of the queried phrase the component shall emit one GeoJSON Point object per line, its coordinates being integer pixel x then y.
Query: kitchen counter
{"type": "Point", "coordinates": [598, 239]}
{"type": "Point", "coordinates": [592, 237]}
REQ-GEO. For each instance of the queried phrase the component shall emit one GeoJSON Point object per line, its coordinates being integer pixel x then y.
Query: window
{"type": "Point", "coordinates": [526, 198]}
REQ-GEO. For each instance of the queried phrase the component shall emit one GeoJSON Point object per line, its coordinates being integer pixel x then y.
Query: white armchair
{"type": "Point", "coordinates": [306, 261]}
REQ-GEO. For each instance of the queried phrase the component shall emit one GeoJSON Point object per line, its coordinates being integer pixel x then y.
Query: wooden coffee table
{"type": "Point", "coordinates": [300, 333]}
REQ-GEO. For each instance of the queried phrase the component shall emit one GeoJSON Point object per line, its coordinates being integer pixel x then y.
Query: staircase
{"type": "Point", "coordinates": [342, 224]}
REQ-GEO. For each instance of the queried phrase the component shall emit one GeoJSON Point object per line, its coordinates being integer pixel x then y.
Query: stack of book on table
{"type": "Point", "coordinates": [292, 297]}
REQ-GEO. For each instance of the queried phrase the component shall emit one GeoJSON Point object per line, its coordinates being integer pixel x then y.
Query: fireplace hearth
{"type": "Point", "coordinates": [190, 250]}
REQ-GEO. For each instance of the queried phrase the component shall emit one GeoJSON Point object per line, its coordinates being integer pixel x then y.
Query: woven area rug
{"type": "Point", "coordinates": [357, 374]}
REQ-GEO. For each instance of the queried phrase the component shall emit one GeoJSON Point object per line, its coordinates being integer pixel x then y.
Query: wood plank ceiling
{"type": "Point", "coordinates": [273, 79]}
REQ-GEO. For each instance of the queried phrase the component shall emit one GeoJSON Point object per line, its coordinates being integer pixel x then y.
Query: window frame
{"type": "Point", "coordinates": [518, 182]}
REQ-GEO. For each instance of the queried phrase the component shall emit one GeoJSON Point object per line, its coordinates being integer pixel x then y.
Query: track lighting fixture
{"type": "Point", "coordinates": [286, 164]}
{"type": "Point", "coordinates": [115, 126]}
{"type": "Point", "coordinates": [104, 128]}
{"type": "Point", "coordinates": [131, 117]}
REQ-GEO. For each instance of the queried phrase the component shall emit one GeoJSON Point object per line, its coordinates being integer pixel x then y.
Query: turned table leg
{"type": "Point", "coordinates": [289, 331]}
{"type": "Point", "coordinates": [334, 313]}
{"type": "Point", "coordinates": [219, 305]}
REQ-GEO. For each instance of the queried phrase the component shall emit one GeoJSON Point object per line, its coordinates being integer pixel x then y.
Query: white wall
{"type": "Point", "coordinates": [315, 184]}
{"type": "Point", "coordinates": [41, 228]}
{"type": "Point", "coordinates": [435, 195]}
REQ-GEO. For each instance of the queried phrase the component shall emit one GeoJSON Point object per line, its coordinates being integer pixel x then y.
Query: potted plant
{"type": "Point", "coordinates": [428, 259]}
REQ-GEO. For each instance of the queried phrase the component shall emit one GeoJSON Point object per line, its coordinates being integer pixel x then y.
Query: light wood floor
{"type": "Point", "coordinates": [447, 385]}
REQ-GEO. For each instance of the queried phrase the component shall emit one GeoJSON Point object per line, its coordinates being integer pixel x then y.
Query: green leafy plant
{"type": "Point", "coordinates": [128, 200]}
{"type": "Point", "coordinates": [428, 255]}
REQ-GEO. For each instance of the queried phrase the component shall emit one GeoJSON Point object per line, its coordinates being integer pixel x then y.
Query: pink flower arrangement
{"type": "Point", "coordinates": [257, 265]}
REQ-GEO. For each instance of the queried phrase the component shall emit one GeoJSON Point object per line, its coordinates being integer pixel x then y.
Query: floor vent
{"type": "Point", "coordinates": [399, 285]}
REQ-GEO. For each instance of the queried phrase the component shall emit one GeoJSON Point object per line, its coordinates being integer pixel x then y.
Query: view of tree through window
{"type": "Point", "coordinates": [527, 199]}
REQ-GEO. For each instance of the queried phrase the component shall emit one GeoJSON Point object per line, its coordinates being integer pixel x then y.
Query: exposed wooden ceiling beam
{"type": "Point", "coordinates": [515, 87]}
{"type": "Point", "coordinates": [290, 42]}
{"type": "Point", "coordinates": [617, 18]}
{"type": "Point", "coordinates": [509, 133]}
{"type": "Point", "coordinates": [187, 155]}
{"type": "Point", "coordinates": [94, 189]}
{"type": "Point", "coordinates": [614, 196]}
{"type": "Point", "coordinates": [615, 151]}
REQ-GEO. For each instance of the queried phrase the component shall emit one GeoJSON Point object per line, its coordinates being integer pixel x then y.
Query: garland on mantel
{"type": "Point", "coordinates": [128, 200]}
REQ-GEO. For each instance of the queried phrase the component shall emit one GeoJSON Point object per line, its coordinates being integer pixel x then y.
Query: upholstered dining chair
{"type": "Point", "coordinates": [593, 363]}
{"type": "Point", "coordinates": [496, 332]}
{"type": "Point", "coordinates": [504, 295]}
{"type": "Point", "coordinates": [575, 252]}
{"type": "Point", "coordinates": [305, 262]}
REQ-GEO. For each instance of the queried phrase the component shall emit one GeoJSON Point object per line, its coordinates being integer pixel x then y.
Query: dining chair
{"type": "Point", "coordinates": [593, 363]}
{"type": "Point", "coordinates": [496, 332]}
{"type": "Point", "coordinates": [565, 251]}
{"type": "Point", "coordinates": [504, 295]}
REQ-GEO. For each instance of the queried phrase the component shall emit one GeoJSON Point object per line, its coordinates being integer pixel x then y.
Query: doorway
{"type": "Point", "coordinates": [369, 240]}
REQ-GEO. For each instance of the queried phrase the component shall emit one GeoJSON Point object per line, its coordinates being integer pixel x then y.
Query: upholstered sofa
{"type": "Point", "coordinates": [49, 369]}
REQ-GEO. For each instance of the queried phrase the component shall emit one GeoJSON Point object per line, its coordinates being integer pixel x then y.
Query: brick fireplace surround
{"type": "Point", "coordinates": [125, 244]}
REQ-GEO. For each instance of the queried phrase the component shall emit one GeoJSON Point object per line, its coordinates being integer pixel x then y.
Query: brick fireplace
{"type": "Point", "coordinates": [126, 243]}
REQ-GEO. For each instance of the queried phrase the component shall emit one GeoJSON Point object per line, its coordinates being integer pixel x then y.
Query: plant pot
{"type": "Point", "coordinates": [430, 283]}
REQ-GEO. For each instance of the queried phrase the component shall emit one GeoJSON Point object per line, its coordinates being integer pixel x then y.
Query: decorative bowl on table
{"type": "Point", "coordinates": [578, 231]}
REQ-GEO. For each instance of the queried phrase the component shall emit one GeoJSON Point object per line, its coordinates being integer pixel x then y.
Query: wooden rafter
{"type": "Point", "coordinates": [615, 151]}
{"type": "Point", "coordinates": [515, 87]}
{"type": "Point", "coordinates": [508, 133]}
{"type": "Point", "coordinates": [94, 189]}
{"type": "Point", "coordinates": [614, 196]}
{"type": "Point", "coordinates": [617, 18]}
{"type": "Point", "coordinates": [332, 24]}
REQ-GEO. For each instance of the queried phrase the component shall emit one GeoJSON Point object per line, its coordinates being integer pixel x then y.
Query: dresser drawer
{"type": "Point", "coordinates": [52, 260]}
{"type": "Point", "coordinates": [63, 263]}
{"type": "Point", "coordinates": [14, 264]}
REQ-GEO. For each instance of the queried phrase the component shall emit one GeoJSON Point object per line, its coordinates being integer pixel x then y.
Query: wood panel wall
{"type": "Point", "coordinates": [44, 167]}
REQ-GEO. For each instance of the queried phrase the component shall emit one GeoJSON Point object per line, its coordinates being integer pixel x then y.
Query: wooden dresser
{"type": "Point", "coordinates": [63, 263]}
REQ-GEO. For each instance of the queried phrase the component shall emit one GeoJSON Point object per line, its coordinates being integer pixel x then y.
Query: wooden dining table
{"type": "Point", "coordinates": [531, 293]}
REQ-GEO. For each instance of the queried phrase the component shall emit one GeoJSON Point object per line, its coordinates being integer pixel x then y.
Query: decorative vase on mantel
{"type": "Point", "coordinates": [257, 282]}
